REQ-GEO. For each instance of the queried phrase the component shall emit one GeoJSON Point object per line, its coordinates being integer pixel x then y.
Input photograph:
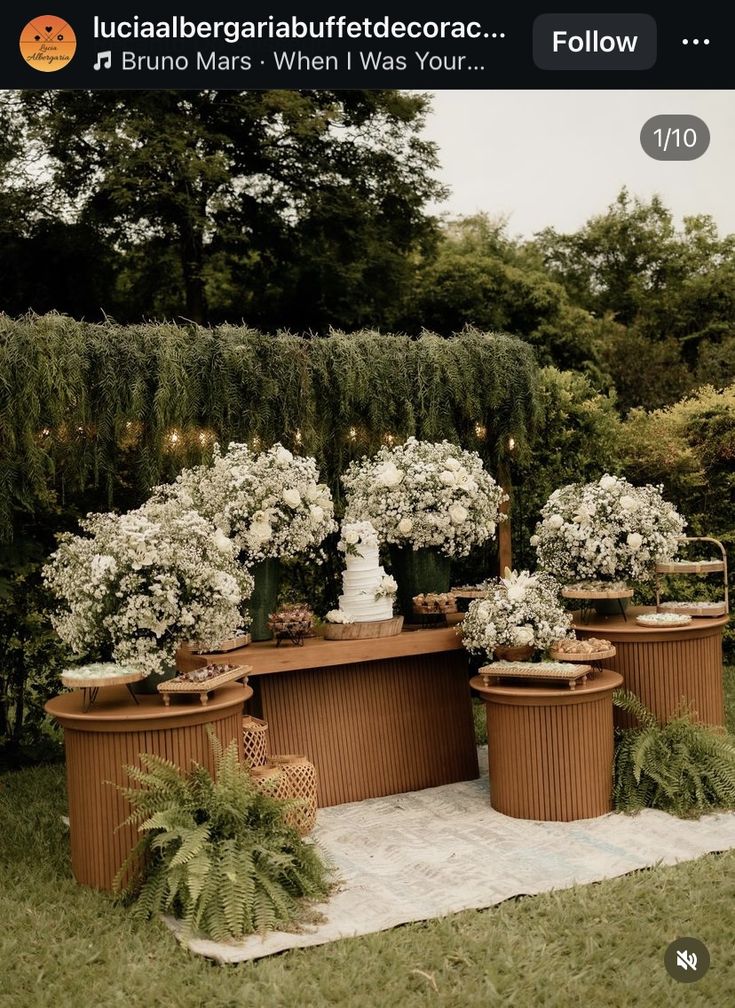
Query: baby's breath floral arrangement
{"type": "Point", "coordinates": [606, 531]}
{"type": "Point", "coordinates": [425, 494]}
{"type": "Point", "coordinates": [134, 586]}
{"type": "Point", "coordinates": [271, 504]}
{"type": "Point", "coordinates": [520, 610]}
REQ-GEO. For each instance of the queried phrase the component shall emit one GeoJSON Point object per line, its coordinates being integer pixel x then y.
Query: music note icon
{"type": "Point", "coordinates": [104, 60]}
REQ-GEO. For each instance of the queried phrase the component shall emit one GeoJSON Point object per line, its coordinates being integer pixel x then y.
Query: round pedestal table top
{"type": "Point", "coordinates": [617, 628]}
{"type": "Point", "coordinates": [115, 710]}
{"type": "Point", "coordinates": [600, 682]}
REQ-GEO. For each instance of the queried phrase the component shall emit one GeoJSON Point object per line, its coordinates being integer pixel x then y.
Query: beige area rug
{"type": "Point", "coordinates": [425, 854]}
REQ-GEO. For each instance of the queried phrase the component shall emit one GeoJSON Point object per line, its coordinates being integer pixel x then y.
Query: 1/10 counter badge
{"type": "Point", "coordinates": [47, 43]}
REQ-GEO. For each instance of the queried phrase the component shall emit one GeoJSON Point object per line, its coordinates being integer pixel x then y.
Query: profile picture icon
{"type": "Point", "coordinates": [48, 43]}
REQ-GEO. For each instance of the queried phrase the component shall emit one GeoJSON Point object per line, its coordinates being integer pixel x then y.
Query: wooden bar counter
{"type": "Point", "coordinates": [376, 717]}
{"type": "Point", "coordinates": [550, 748]}
{"type": "Point", "coordinates": [112, 734]}
{"type": "Point", "coordinates": [665, 666]}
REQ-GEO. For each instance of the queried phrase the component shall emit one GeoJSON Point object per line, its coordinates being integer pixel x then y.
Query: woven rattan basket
{"type": "Point", "coordinates": [291, 777]}
{"type": "Point", "coordinates": [254, 741]}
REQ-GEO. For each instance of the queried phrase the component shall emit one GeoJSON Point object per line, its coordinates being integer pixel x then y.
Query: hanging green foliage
{"type": "Point", "coordinates": [91, 410]}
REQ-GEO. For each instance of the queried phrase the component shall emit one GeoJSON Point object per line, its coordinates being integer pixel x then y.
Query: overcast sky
{"type": "Point", "coordinates": [558, 157]}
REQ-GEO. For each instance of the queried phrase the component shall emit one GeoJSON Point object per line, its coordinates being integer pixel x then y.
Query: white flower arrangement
{"type": "Point", "coordinates": [357, 534]}
{"type": "Point", "coordinates": [135, 586]}
{"type": "Point", "coordinates": [97, 670]}
{"type": "Point", "coordinates": [520, 610]}
{"type": "Point", "coordinates": [387, 588]}
{"type": "Point", "coordinates": [338, 616]}
{"type": "Point", "coordinates": [606, 531]}
{"type": "Point", "coordinates": [425, 494]}
{"type": "Point", "coordinates": [272, 504]}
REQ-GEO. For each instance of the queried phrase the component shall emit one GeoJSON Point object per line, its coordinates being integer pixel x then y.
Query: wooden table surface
{"type": "Point", "coordinates": [598, 682]}
{"type": "Point", "coordinates": [267, 658]}
{"type": "Point", "coordinates": [616, 628]}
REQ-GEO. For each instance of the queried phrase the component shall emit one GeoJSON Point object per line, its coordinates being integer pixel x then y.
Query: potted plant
{"type": "Point", "coordinates": [521, 614]}
{"type": "Point", "coordinates": [430, 501]}
{"type": "Point", "coordinates": [606, 533]}
{"type": "Point", "coordinates": [133, 587]}
{"type": "Point", "coordinates": [216, 851]}
{"type": "Point", "coordinates": [271, 505]}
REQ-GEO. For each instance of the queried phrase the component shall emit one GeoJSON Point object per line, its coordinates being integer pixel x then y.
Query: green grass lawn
{"type": "Point", "coordinates": [594, 946]}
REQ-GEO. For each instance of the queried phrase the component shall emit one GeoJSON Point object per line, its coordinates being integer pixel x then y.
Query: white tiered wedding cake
{"type": "Point", "coordinates": [368, 592]}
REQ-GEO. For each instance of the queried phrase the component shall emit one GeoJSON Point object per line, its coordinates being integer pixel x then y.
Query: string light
{"type": "Point", "coordinates": [480, 431]}
{"type": "Point", "coordinates": [202, 438]}
{"type": "Point", "coordinates": [353, 434]}
{"type": "Point", "coordinates": [389, 440]}
{"type": "Point", "coordinates": [511, 443]}
{"type": "Point", "coordinates": [45, 432]}
{"type": "Point", "coordinates": [297, 437]}
{"type": "Point", "coordinates": [174, 437]}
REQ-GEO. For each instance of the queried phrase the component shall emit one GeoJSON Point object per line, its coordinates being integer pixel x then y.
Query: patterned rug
{"type": "Point", "coordinates": [425, 854]}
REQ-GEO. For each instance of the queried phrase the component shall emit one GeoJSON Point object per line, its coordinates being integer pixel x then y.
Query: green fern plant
{"type": "Point", "coordinates": [680, 767]}
{"type": "Point", "coordinates": [216, 852]}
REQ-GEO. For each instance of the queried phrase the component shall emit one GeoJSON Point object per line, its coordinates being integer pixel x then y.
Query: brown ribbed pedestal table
{"type": "Point", "coordinates": [550, 748]}
{"type": "Point", "coordinates": [665, 666]}
{"type": "Point", "coordinates": [100, 742]}
{"type": "Point", "coordinates": [376, 717]}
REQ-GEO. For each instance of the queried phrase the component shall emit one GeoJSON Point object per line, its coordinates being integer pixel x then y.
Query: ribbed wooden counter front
{"type": "Point", "coordinates": [665, 666]}
{"type": "Point", "coordinates": [550, 750]}
{"type": "Point", "coordinates": [112, 735]}
{"type": "Point", "coordinates": [376, 717]}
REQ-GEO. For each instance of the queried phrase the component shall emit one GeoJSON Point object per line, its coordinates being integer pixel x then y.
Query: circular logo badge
{"type": "Point", "coordinates": [47, 43]}
{"type": "Point", "coordinates": [687, 959]}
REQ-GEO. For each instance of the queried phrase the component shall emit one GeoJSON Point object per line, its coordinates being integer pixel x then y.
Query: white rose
{"type": "Point", "coordinates": [352, 537]}
{"type": "Point", "coordinates": [325, 502]}
{"type": "Point", "coordinates": [223, 544]}
{"type": "Point", "coordinates": [292, 497]}
{"type": "Point", "coordinates": [608, 482]}
{"type": "Point", "coordinates": [317, 513]}
{"type": "Point", "coordinates": [260, 532]}
{"type": "Point", "coordinates": [447, 477]}
{"type": "Point", "coordinates": [405, 525]}
{"type": "Point", "coordinates": [524, 635]}
{"type": "Point", "coordinates": [555, 522]}
{"type": "Point", "coordinates": [312, 492]}
{"type": "Point", "coordinates": [452, 464]}
{"type": "Point", "coordinates": [535, 540]}
{"type": "Point", "coordinates": [628, 503]}
{"type": "Point", "coordinates": [283, 455]}
{"type": "Point", "coordinates": [390, 475]}
{"type": "Point", "coordinates": [635, 541]}
{"type": "Point", "coordinates": [458, 514]}
{"type": "Point", "coordinates": [516, 592]}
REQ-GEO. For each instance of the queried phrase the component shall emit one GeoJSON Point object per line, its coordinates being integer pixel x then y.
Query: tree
{"type": "Point", "coordinates": [481, 276]}
{"type": "Point", "coordinates": [261, 199]}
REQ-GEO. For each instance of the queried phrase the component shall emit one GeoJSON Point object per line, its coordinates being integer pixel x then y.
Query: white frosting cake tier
{"type": "Point", "coordinates": [365, 560]}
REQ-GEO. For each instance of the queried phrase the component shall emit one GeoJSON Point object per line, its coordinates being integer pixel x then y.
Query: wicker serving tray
{"type": "Point", "coordinates": [691, 567]}
{"type": "Point", "coordinates": [202, 689]}
{"type": "Point", "coordinates": [652, 624]}
{"type": "Point", "coordinates": [559, 672]}
{"type": "Point", "coordinates": [588, 657]}
{"type": "Point", "coordinates": [699, 609]}
{"type": "Point", "coordinates": [597, 593]}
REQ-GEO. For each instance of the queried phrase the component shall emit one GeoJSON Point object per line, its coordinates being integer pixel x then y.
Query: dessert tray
{"type": "Point", "coordinates": [551, 671]}
{"type": "Point", "coordinates": [690, 567]}
{"type": "Point", "coordinates": [221, 647]}
{"type": "Point", "coordinates": [470, 592]}
{"type": "Point", "coordinates": [585, 590]}
{"type": "Point", "coordinates": [430, 603]}
{"type": "Point", "coordinates": [202, 681]}
{"type": "Point", "coordinates": [701, 609]}
{"type": "Point", "coordinates": [593, 649]}
{"type": "Point", "coordinates": [663, 620]}
{"type": "Point", "coordinates": [91, 678]}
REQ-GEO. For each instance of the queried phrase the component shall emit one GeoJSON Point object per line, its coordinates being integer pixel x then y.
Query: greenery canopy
{"type": "Point", "coordinates": [81, 404]}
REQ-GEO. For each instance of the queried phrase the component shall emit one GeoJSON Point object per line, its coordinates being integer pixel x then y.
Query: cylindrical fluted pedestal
{"type": "Point", "coordinates": [112, 735]}
{"type": "Point", "coordinates": [665, 667]}
{"type": "Point", "coordinates": [550, 749]}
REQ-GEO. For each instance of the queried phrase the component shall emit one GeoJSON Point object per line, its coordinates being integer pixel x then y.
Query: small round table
{"type": "Point", "coordinates": [664, 666]}
{"type": "Point", "coordinates": [101, 741]}
{"type": "Point", "coordinates": [550, 749]}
